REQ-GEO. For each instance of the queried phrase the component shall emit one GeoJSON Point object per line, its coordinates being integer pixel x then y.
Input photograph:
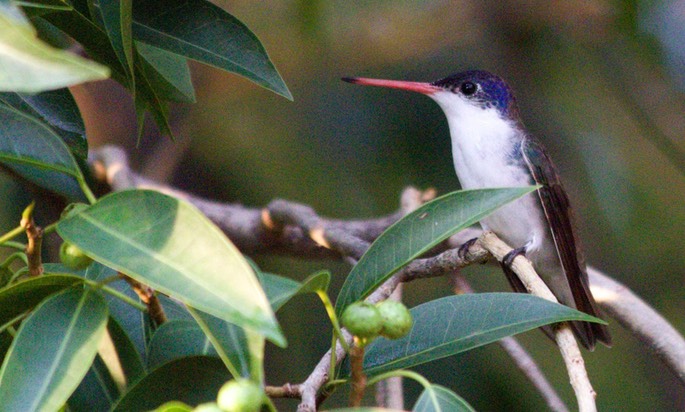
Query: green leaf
{"type": "Point", "coordinates": [93, 39]}
{"type": "Point", "coordinates": [130, 320]}
{"type": "Point", "coordinates": [97, 391]}
{"type": "Point", "coordinates": [117, 20]}
{"type": "Point", "coordinates": [279, 290]}
{"type": "Point", "coordinates": [176, 339]}
{"type": "Point", "coordinates": [417, 233]}
{"type": "Point", "coordinates": [169, 245]}
{"type": "Point", "coordinates": [35, 151]}
{"type": "Point", "coordinates": [42, 370]}
{"type": "Point", "coordinates": [167, 72]}
{"type": "Point", "coordinates": [58, 109]}
{"type": "Point", "coordinates": [199, 30]}
{"type": "Point", "coordinates": [192, 380]}
{"type": "Point", "coordinates": [454, 324]}
{"type": "Point", "coordinates": [30, 65]}
{"type": "Point", "coordinates": [45, 4]}
{"type": "Point", "coordinates": [437, 398]}
{"type": "Point", "coordinates": [130, 358]}
{"type": "Point", "coordinates": [149, 99]}
{"type": "Point", "coordinates": [229, 341]}
{"type": "Point", "coordinates": [174, 406]}
{"type": "Point", "coordinates": [25, 295]}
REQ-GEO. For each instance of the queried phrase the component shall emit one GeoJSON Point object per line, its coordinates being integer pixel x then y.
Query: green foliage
{"type": "Point", "coordinates": [55, 366]}
{"type": "Point", "coordinates": [169, 245]}
{"type": "Point", "coordinates": [436, 398]}
{"type": "Point", "coordinates": [417, 233]}
{"type": "Point", "coordinates": [80, 336]}
{"type": "Point", "coordinates": [454, 324]}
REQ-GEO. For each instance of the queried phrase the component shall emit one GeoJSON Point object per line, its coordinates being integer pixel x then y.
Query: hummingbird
{"type": "Point", "coordinates": [491, 148]}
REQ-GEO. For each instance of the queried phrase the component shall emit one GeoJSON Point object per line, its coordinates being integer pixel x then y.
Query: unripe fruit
{"type": "Point", "coordinates": [73, 257]}
{"type": "Point", "coordinates": [363, 320]}
{"type": "Point", "coordinates": [397, 320]}
{"type": "Point", "coordinates": [240, 395]}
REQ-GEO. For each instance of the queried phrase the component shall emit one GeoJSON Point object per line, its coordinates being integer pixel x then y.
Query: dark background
{"type": "Point", "coordinates": [599, 82]}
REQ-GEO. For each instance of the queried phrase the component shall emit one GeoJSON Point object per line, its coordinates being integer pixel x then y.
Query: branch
{"type": "Point", "coordinates": [640, 319]}
{"type": "Point", "coordinates": [294, 229]}
{"type": "Point", "coordinates": [523, 360]}
{"type": "Point", "coordinates": [282, 228]}
{"type": "Point", "coordinates": [562, 332]}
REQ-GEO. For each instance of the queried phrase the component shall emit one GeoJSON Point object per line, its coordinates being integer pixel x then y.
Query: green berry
{"type": "Point", "coordinates": [240, 395]}
{"type": "Point", "coordinates": [397, 320]}
{"type": "Point", "coordinates": [73, 257]}
{"type": "Point", "coordinates": [363, 320]}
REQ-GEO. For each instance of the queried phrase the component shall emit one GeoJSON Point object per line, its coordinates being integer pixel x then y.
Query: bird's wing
{"type": "Point", "coordinates": [559, 215]}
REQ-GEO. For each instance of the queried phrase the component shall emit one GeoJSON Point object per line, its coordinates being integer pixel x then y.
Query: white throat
{"type": "Point", "coordinates": [482, 142]}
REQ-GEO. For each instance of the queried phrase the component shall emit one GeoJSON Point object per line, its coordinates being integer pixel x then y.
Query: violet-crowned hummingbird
{"type": "Point", "coordinates": [491, 148]}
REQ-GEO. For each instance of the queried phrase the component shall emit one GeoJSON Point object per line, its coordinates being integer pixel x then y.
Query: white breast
{"type": "Point", "coordinates": [482, 141]}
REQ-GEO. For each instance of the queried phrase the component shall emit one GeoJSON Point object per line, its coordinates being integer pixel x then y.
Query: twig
{"type": "Point", "coordinates": [285, 391]}
{"type": "Point", "coordinates": [641, 319]}
{"type": "Point", "coordinates": [357, 375]}
{"type": "Point", "coordinates": [252, 234]}
{"type": "Point", "coordinates": [149, 298]}
{"type": "Point", "coordinates": [523, 360]}
{"type": "Point", "coordinates": [34, 234]}
{"type": "Point", "coordinates": [570, 352]}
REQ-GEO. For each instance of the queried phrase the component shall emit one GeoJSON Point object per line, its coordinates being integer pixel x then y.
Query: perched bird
{"type": "Point", "coordinates": [491, 148]}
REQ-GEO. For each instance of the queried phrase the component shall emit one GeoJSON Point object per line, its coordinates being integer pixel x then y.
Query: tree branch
{"type": "Point", "coordinates": [575, 365]}
{"type": "Point", "coordinates": [294, 229]}
{"type": "Point", "coordinates": [640, 319]}
{"type": "Point", "coordinates": [523, 360]}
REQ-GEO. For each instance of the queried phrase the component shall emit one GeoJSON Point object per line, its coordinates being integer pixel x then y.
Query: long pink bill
{"type": "Point", "coordinates": [425, 88]}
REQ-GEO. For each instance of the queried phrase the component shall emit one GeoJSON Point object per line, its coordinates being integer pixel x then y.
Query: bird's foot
{"type": "Point", "coordinates": [509, 257]}
{"type": "Point", "coordinates": [464, 248]}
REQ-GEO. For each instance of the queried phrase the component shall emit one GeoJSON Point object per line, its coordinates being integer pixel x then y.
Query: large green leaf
{"type": "Point", "coordinates": [42, 369]}
{"type": "Point", "coordinates": [176, 339]}
{"type": "Point", "coordinates": [455, 324]}
{"type": "Point", "coordinates": [417, 233]}
{"type": "Point", "coordinates": [229, 341]}
{"type": "Point", "coordinates": [58, 110]}
{"type": "Point", "coordinates": [199, 30]}
{"type": "Point", "coordinates": [169, 245]}
{"type": "Point", "coordinates": [279, 290]}
{"type": "Point", "coordinates": [92, 37]}
{"type": "Point", "coordinates": [149, 98]}
{"type": "Point", "coordinates": [35, 151]}
{"type": "Point", "coordinates": [167, 72]}
{"type": "Point", "coordinates": [437, 398]}
{"type": "Point", "coordinates": [116, 17]}
{"type": "Point", "coordinates": [25, 295]}
{"type": "Point", "coordinates": [30, 65]}
{"type": "Point", "coordinates": [192, 380]}
{"type": "Point", "coordinates": [97, 391]}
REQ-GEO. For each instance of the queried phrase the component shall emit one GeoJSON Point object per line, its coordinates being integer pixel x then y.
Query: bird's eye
{"type": "Point", "coordinates": [468, 88]}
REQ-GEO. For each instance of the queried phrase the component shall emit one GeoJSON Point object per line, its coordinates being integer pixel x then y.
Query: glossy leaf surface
{"type": "Point", "coordinates": [31, 65]}
{"type": "Point", "coordinates": [41, 371]}
{"type": "Point", "coordinates": [172, 247]}
{"type": "Point", "coordinates": [437, 398]}
{"type": "Point", "coordinates": [192, 380]}
{"type": "Point", "coordinates": [202, 31]}
{"type": "Point", "coordinates": [417, 233]}
{"type": "Point", "coordinates": [454, 324]}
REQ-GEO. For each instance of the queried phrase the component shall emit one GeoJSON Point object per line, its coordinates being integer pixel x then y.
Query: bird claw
{"type": "Point", "coordinates": [464, 248]}
{"type": "Point", "coordinates": [509, 257]}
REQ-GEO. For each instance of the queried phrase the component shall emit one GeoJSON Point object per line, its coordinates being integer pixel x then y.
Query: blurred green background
{"type": "Point", "coordinates": [599, 82]}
